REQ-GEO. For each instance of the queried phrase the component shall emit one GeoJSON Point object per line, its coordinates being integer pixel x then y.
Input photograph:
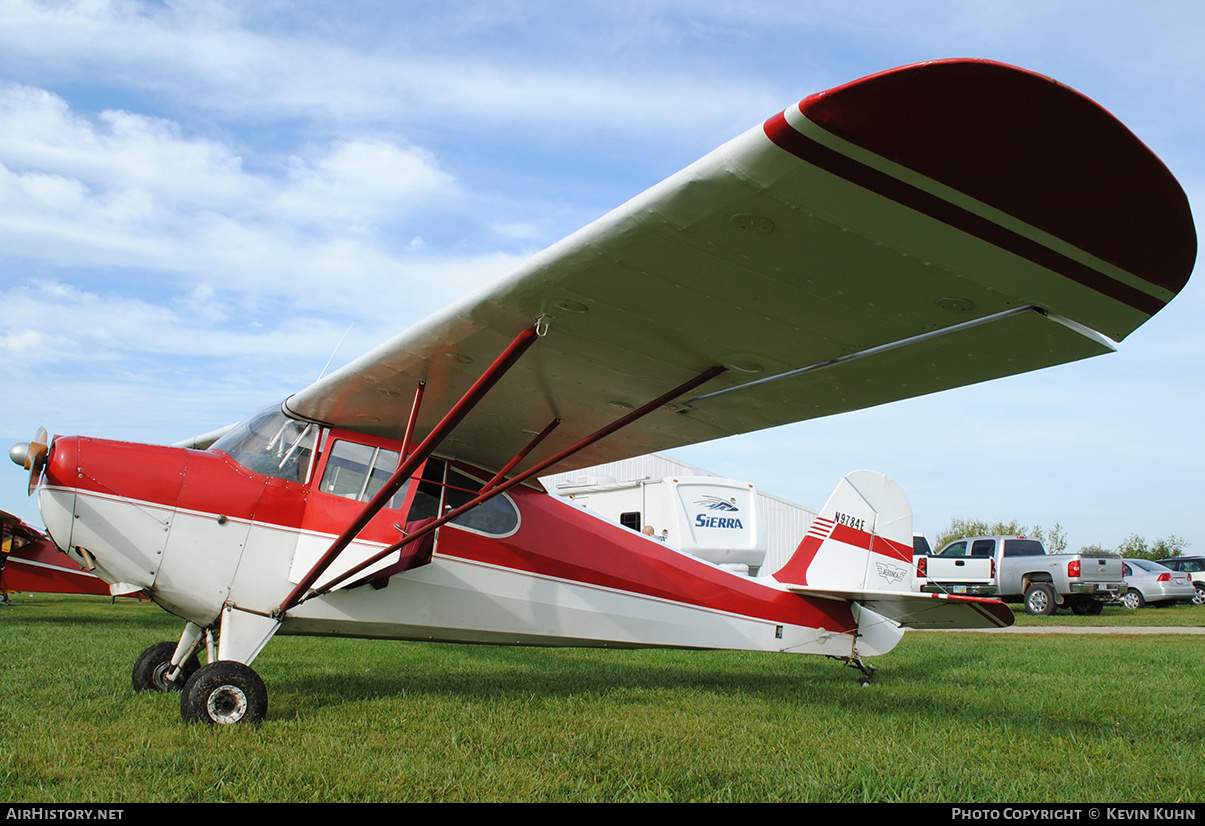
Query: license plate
{"type": "Point", "coordinates": [960, 589]}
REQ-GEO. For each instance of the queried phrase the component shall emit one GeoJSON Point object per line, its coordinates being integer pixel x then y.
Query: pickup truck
{"type": "Point", "coordinates": [1018, 569]}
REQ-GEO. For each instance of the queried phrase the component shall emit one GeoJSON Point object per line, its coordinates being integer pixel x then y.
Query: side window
{"type": "Point", "coordinates": [430, 490]}
{"type": "Point", "coordinates": [497, 516]}
{"type": "Point", "coordinates": [356, 471]}
{"type": "Point", "coordinates": [347, 469]}
{"type": "Point", "coordinates": [383, 468]}
{"type": "Point", "coordinates": [630, 519]}
{"type": "Point", "coordinates": [1023, 547]}
{"type": "Point", "coordinates": [983, 548]}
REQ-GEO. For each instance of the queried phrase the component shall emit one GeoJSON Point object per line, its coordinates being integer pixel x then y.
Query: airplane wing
{"type": "Point", "coordinates": [925, 228]}
{"type": "Point", "coordinates": [927, 611]}
{"type": "Point", "coordinates": [29, 561]}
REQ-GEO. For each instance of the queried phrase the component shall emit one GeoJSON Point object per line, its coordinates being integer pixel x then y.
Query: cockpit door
{"type": "Point", "coordinates": [350, 474]}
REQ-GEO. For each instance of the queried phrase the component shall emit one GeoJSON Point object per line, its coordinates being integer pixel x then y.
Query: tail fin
{"type": "Point", "coordinates": [861, 540]}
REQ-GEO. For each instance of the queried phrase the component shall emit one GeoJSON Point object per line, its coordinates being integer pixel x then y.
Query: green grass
{"type": "Point", "coordinates": [951, 717]}
{"type": "Point", "coordinates": [1174, 616]}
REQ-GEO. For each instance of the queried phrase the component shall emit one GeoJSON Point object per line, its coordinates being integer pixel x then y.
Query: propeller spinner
{"type": "Point", "coordinates": [32, 456]}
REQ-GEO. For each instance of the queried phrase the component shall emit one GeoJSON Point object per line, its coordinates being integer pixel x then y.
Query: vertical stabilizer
{"type": "Point", "coordinates": [860, 541]}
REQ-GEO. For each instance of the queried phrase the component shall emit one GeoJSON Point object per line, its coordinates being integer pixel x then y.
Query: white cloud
{"type": "Point", "coordinates": [357, 183]}
{"type": "Point", "coordinates": [131, 191]}
{"type": "Point", "coordinates": [420, 66]}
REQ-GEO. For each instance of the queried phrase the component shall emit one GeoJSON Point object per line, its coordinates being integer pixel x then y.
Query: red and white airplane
{"type": "Point", "coordinates": [925, 228]}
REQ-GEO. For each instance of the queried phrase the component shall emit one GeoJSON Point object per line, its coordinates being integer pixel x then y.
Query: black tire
{"type": "Point", "coordinates": [151, 667]}
{"type": "Point", "coordinates": [1133, 599]}
{"type": "Point", "coordinates": [1086, 607]}
{"type": "Point", "coordinates": [1199, 599]}
{"type": "Point", "coordinates": [1040, 600]}
{"type": "Point", "coordinates": [224, 693]}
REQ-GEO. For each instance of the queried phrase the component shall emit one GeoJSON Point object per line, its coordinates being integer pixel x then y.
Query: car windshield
{"type": "Point", "coordinates": [271, 443]}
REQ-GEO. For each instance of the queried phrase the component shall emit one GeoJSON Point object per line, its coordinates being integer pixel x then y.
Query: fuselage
{"type": "Point", "coordinates": [199, 531]}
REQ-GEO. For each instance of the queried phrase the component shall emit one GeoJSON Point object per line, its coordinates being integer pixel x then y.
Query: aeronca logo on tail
{"type": "Point", "coordinates": [891, 573]}
{"type": "Point", "coordinates": [715, 503]}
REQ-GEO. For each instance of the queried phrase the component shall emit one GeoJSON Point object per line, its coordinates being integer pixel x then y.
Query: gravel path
{"type": "Point", "coordinates": [1081, 629]}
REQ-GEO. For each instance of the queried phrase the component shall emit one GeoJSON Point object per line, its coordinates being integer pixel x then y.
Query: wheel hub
{"type": "Point", "coordinates": [159, 677]}
{"type": "Point", "coordinates": [227, 704]}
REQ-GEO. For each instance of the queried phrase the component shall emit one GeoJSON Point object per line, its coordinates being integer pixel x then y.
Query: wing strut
{"type": "Point", "coordinates": [407, 440]}
{"type": "Point", "coordinates": [520, 456]}
{"type": "Point", "coordinates": [411, 463]}
{"type": "Point", "coordinates": [495, 488]}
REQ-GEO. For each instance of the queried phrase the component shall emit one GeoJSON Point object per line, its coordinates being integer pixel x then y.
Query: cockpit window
{"type": "Point", "coordinates": [271, 443]}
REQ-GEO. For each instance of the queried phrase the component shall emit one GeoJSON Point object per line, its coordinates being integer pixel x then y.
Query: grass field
{"type": "Point", "coordinates": [951, 717]}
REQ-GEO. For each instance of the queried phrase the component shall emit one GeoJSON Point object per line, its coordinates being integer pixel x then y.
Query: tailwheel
{"type": "Point", "coordinates": [224, 693]}
{"type": "Point", "coordinates": [867, 670]}
{"type": "Point", "coordinates": [154, 665]}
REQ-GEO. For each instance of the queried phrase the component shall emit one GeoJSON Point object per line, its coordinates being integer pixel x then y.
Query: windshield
{"type": "Point", "coordinates": [271, 443]}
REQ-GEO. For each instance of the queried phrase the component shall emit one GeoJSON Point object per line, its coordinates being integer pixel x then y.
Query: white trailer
{"type": "Point", "coordinates": [713, 518]}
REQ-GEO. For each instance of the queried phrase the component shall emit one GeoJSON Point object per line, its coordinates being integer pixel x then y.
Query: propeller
{"type": "Point", "coordinates": [32, 456]}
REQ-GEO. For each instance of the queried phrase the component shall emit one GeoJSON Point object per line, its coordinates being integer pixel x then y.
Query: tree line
{"type": "Point", "coordinates": [1055, 539]}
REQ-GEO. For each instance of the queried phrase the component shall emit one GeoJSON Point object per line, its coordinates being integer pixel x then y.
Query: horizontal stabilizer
{"type": "Point", "coordinates": [914, 610]}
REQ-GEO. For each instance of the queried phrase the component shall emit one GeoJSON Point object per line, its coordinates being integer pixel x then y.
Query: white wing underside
{"type": "Point", "coordinates": [752, 259]}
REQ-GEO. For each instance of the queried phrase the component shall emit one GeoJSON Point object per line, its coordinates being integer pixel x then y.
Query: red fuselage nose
{"type": "Point", "coordinates": [111, 504]}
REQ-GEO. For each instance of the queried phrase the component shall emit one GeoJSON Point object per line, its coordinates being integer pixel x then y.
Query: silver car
{"type": "Point", "coordinates": [1194, 566]}
{"type": "Point", "coordinates": [1151, 582]}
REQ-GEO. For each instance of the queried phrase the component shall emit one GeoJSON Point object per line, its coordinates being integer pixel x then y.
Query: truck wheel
{"type": "Point", "coordinates": [1199, 599]}
{"type": "Point", "coordinates": [1086, 607]}
{"type": "Point", "coordinates": [1040, 600]}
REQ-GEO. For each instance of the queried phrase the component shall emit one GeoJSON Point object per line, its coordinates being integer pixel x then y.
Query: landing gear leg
{"type": "Point", "coordinates": [867, 670]}
{"type": "Point", "coordinates": [228, 691]}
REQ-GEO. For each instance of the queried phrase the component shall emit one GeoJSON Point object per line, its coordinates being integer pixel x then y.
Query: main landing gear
{"type": "Point", "coordinates": [153, 669]}
{"type": "Point", "coordinates": [223, 692]}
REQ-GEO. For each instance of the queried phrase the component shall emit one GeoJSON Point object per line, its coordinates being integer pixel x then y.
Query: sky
{"type": "Point", "coordinates": [199, 200]}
